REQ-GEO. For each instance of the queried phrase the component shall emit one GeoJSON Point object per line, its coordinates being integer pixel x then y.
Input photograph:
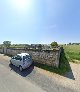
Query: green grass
{"type": "Point", "coordinates": [61, 70]}
{"type": "Point", "coordinates": [72, 52]}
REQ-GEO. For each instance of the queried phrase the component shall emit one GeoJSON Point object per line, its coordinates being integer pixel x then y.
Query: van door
{"type": "Point", "coordinates": [18, 60]}
{"type": "Point", "coordinates": [25, 60]}
{"type": "Point", "coordinates": [14, 60]}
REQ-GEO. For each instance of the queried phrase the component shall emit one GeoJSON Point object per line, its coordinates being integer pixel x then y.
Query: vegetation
{"type": "Point", "coordinates": [7, 44]}
{"type": "Point", "coordinates": [72, 52]}
{"type": "Point", "coordinates": [54, 44]}
{"type": "Point", "coordinates": [1, 45]}
{"type": "Point", "coordinates": [18, 46]}
{"type": "Point", "coordinates": [74, 43]}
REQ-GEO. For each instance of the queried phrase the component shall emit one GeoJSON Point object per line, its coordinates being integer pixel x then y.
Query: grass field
{"type": "Point", "coordinates": [72, 52]}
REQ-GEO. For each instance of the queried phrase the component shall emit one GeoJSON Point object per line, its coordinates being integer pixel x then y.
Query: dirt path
{"type": "Point", "coordinates": [70, 80]}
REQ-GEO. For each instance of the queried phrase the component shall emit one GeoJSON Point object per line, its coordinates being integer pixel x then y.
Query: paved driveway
{"type": "Point", "coordinates": [32, 79]}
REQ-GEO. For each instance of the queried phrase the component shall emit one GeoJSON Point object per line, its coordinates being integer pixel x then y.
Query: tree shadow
{"type": "Point", "coordinates": [25, 72]}
{"type": "Point", "coordinates": [65, 66]}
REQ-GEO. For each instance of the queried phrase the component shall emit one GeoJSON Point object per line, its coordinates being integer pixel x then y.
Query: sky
{"type": "Point", "coordinates": [40, 21]}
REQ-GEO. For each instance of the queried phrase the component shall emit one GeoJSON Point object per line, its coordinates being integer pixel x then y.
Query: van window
{"type": "Point", "coordinates": [26, 57]}
{"type": "Point", "coordinates": [18, 57]}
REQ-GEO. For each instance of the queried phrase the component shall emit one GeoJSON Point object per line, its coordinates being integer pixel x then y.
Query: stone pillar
{"type": "Point", "coordinates": [4, 50]}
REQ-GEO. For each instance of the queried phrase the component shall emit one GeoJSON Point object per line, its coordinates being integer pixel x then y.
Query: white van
{"type": "Point", "coordinates": [23, 60]}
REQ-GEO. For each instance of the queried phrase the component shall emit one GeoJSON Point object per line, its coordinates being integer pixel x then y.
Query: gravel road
{"type": "Point", "coordinates": [36, 79]}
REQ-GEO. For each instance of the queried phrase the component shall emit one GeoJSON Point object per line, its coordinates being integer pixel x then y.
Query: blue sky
{"type": "Point", "coordinates": [40, 21]}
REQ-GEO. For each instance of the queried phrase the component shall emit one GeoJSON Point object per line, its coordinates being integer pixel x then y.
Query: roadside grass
{"type": "Point", "coordinates": [62, 70]}
{"type": "Point", "coordinates": [72, 53]}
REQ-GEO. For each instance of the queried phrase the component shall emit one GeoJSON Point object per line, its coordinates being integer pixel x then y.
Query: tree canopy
{"type": "Point", "coordinates": [7, 43]}
{"type": "Point", "coordinates": [54, 44]}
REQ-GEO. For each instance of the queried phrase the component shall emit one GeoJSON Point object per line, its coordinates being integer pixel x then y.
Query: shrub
{"type": "Point", "coordinates": [54, 44]}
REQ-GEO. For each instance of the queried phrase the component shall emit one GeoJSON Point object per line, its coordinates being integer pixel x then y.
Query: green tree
{"type": "Point", "coordinates": [54, 44]}
{"type": "Point", "coordinates": [7, 44]}
{"type": "Point", "coordinates": [70, 43]}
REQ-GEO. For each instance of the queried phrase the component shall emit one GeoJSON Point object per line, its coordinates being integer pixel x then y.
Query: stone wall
{"type": "Point", "coordinates": [48, 57]}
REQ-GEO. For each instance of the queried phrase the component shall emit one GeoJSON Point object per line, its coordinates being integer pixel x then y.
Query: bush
{"type": "Point", "coordinates": [54, 44]}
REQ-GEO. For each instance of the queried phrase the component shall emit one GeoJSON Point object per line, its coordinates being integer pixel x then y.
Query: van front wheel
{"type": "Point", "coordinates": [20, 68]}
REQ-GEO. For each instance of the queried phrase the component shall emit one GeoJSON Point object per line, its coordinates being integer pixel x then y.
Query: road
{"type": "Point", "coordinates": [10, 82]}
{"type": "Point", "coordinates": [32, 79]}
